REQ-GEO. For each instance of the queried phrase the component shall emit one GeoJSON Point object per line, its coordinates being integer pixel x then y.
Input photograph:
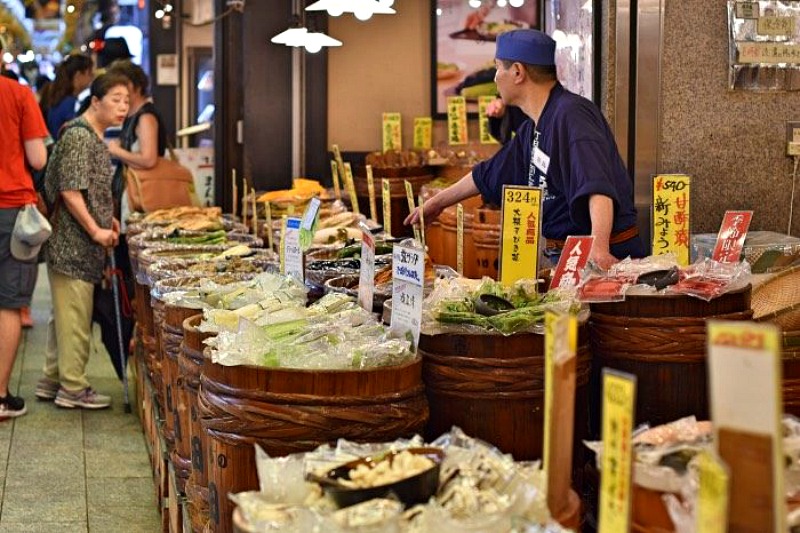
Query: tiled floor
{"type": "Point", "coordinates": [71, 470]}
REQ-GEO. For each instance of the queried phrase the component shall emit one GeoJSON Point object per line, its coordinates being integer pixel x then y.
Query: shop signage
{"type": "Point", "coordinates": [619, 400]}
{"type": "Point", "coordinates": [386, 193]}
{"type": "Point", "coordinates": [457, 120]}
{"type": "Point", "coordinates": [776, 26]}
{"type": "Point", "coordinates": [731, 236]}
{"type": "Point", "coordinates": [712, 497]}
{"type": "Point", "coordinates": [423, 133]}
{"type": "Point", "coordinates": [519, 241]}
{"type": "Point", "coordinates": [410, 198]}
{"type": "Point", "coordinates": [745, 390]}
{"type": "Point", "coordinates": [671, 216]}
{"type": "Point", "coordinates": [747, 10]}
{"type": "Point", "coordinates": [408, 278]}
{"type": "Point", "coordinates": [373, 212]}
{"type": "Point", "coordinates": [351, 188]}
{"type": "Point", "coordinates": [366, 281]}
{"type": "Point", "coordinates": [574, 257]}
{"type": "Point", "coordinates": [771, 53]}
{"type": "Point", "coordinates": [291, 253]}
{"type": "Point", "coordinates": [483, 120]}
{"type": "Point", "coordinates": [392, 132]}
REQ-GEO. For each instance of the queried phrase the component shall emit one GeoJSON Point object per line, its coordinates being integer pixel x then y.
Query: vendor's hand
{"type": "Point", "coordinates": [496, 108]}
{"type": "Point", "coordinates": [105, 237]}
{"type": "Point", "coordinates": [432, 212]}
{"type": "Point", "coordinates": [602, 257]}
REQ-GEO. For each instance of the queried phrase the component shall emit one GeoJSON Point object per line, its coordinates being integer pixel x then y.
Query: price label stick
{"type": "Point", "coordinates": [619, 399]}
{"type": "Point", "coordinates": [282, 250]}
{"type": "Point", "coordinates": [366, 281]}
{"type": "Point", "coordinates": [351, 188]}
{"type": "Point", "coordinates": [234, 193]}
{"type": "Point", "coordinates": [386, 192]}
{"type": "Point", "coordinates": [520, 230]}
{"type": "Point", "coordinates": [408, 275]}
{"type": "Point", "coordinates": [337, 155]}
{"type": "Point", "coordinates": [410, 198]}
{"type": "Point", "coordinates": [255, 214]}
{"type": "Point", "coordinates": [373, 211]}
{"type": "Point", "coordinates": [460, 239]}
{"type": "Point", "coordinates": [244, 203]}
{"type": "Point", "coordinates": [337, 191]}
{"type": "Point", "coordinates": [712, 498]}
{"type": "Point", "coordinates": [268, 216]}
{"type": "Point", "coordinates": [422, 221]}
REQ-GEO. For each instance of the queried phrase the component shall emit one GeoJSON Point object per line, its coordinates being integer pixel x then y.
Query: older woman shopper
{"type": "Point", "coordinates": [78, 185]}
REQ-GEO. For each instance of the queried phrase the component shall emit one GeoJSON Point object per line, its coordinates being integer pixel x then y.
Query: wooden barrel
{"type": "Point", "coordinates": [661, 339]}
{"type": "Point", "coordinates": [190, 363]}
{"type": "Point", "coordinates": [417, 176]}
{"type": "Point", "coordinates": [492, 387]}
{"type": "Point", "coordinates": [486, 238]}
{"type": "Point", "coordinates": [287, 411]}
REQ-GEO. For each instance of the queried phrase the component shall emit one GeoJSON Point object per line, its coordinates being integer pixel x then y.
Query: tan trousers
{"type": "Point", "coordinates": [69, 333]}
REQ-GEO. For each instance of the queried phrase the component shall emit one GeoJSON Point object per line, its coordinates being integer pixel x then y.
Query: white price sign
{"type": "Point", "coordinates": [408, 277]}
{"type": "Point", "coordinates": [366, 281]}
{"type": "Point", "coordinates": [310, 214]}
{"type": "Point", "coordinates": [293, 254]}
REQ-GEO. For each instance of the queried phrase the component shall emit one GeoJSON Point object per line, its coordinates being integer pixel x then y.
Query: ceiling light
{"type": "Point", "coordinates": [516, 3]}
{"type": "Point", "coordinates": [475, 3]}
{"type": "Point", "coordinates": [362, 9]}
{"type": "Point", "coordinates": [291, 37]}
{"type": "Point", "coordinates": [315, 41]}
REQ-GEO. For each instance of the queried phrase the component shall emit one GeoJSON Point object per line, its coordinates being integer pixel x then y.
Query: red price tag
{"type": "Point", "coordinates": [573, 258]}
{"type": "Point", "coordinates": [730, 239]}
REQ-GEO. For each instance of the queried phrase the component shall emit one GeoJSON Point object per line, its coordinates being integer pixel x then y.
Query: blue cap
{"type": "Point", "coordinates": [526, 46]}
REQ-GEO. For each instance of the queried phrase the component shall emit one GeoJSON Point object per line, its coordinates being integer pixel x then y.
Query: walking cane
{"type": "Point", "coordinates": [118, 316]}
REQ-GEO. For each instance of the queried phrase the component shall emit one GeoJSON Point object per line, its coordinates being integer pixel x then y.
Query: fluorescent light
{"type": "Point", "coordinates": [291, 37]}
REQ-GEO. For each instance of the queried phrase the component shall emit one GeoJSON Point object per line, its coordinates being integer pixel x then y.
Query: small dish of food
{"type": "Point", "coordinates": [412, 475]}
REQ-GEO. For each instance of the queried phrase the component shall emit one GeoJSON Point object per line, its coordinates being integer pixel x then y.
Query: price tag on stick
{"type": "Point", "coordinates": [519, 242]}
{"type": "Point", "coordinates": [422, 222]}
{"type": "Point", "coordinates": [671, 216]}
{"type": "Point", "coordinates": [731, 236]}
{"type": "Point", "coordinates": [574, 257]}
{"type": "Point", "coordinates": [619, 400]}
{"type": "Point", "coordinates": [373, 211]}
{"type": "Point", "coordinates": [408, 277]}
{"type": "Point", "coordinates": [337, 190]}
{"type": "Point", "coordinates": [366, 281]}
{"type": "Point", "coordinates": [234, 193]}
{"type": "Point", "coordinates": [460, 239]}
{"type": "Point", "coordinates": [351, 188]}
{"type": "Point", "coordinates": [386, 193]}
{"type": "Point", "coordinates": [712, 497]}
{"type": "Point", "coordinates": [292, 252]}
{"type": "Point", "coordinates": [268, 218]}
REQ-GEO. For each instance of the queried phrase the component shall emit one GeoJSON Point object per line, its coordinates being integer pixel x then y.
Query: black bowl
{"type": "Point", "coordinates": [410, 491]}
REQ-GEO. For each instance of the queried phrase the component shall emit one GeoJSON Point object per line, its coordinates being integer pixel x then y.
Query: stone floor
{"type": "Point", "coordinates": [71, 470]}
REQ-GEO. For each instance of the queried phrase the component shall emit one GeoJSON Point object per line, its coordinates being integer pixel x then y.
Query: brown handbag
{"type": "Point", "coordinates": [167, 184]}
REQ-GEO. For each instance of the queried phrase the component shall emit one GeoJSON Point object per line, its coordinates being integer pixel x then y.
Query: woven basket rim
{"type": "Point", "coordinates": [780, 293]}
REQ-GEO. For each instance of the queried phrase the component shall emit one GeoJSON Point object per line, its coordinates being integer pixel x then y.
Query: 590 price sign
{"type": "Point", "coordinates": [408, 278]}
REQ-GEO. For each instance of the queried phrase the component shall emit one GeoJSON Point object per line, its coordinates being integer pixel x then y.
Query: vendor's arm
{"type": "Point", "coordinates": [461, 190]}
{"type": "Point", "coordinates": [76, 205]}
{"type": "Point", "coordinates": [601, 213]}
{"type": "Point", "coordinates": [147, 134]}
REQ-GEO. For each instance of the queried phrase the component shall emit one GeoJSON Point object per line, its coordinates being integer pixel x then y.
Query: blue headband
{"type": "Point", "coordinates": [526, 46]}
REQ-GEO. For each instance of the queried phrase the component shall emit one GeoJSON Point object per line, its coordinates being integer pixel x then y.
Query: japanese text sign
{"type": "Point", "coordinates": [574, 257]}
{"type": "Point", "coordinates": [373, 212]}
{"type": "Point", "coordinates": [392, 132]}
{"type": "Point", "coordinates": [292, 264]}
{"type": "Point", "coordinates": [457, 120]}
{"type": "Point", "coordinates": [483, 120]}
{"type": "Point", "coordinates": [671, 206]}
{"type": "Point", "coordinates": [519, 241]}
{"type": "Point", "coordinates": [386, 193]}
{"type": "Point", "coordinates": [746, 400]}
{"type": "Point", "coordinates": [408, 278]}
{"type": "Point", "coordinates": [366, 281]}
{"type": "Point", "coordinates": [423, 133]}
{"type": "Point", "coordinates": [731, 236]}
{"type": "Point", "coordinates": [351, 187]}
{"type": "Point", "coordinates": [310, 214]}
{"type": "Point", "coordinates": [619, 400]}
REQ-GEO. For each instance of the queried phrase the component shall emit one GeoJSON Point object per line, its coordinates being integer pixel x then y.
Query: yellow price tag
{"type": "Point", "coordinates": [460, 239]}
{"type": "Point", "coordinates": [386, 193]}
{"type": "Point", "coordinates": [337, 190]}
{"type": "Point", "coordinates": [619, 399]}
{"type": "Point", "coordinates": [712, 498]}
{"type": "Point", "coordinates": [282, 251]}
{"type": "Point", "coordinates": [373, 211]}
{"type": "Point", "coordinates": [519, 242]}
{"type": "Point", "coordinates": [423, 133]}
{"type": "Point", "coordinates": [268, 216]}
{"type": "Point", "coordinates": [337, 156]}
{"type": "Point", "coordinates": [351, 188]}
{"type": "Point", "coordinates": [410, 198]}
{"type": "Point", "coordinates": [671, 206]}
{"type": "Point", "coordinates": [483, 120]}
{"type": "Point", "coordinates": [560, 341]}
{"type": "Point", "coordinates": [392, 132]}
{"type": "Point", "coordinates": [234, 193]}
{"type": "Point", "coordinates": [457, 120]}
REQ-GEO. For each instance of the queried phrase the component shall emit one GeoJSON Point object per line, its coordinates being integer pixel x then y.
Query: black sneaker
{"type": "Point", "coordinates": [12, 406]}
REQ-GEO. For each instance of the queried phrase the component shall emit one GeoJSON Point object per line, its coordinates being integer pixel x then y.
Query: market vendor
{"type": "Point", "coordinates": [567, 148]}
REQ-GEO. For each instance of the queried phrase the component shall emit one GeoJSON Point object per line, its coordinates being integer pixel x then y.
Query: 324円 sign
{"type": "Point", "coordinates": [519, 242]}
